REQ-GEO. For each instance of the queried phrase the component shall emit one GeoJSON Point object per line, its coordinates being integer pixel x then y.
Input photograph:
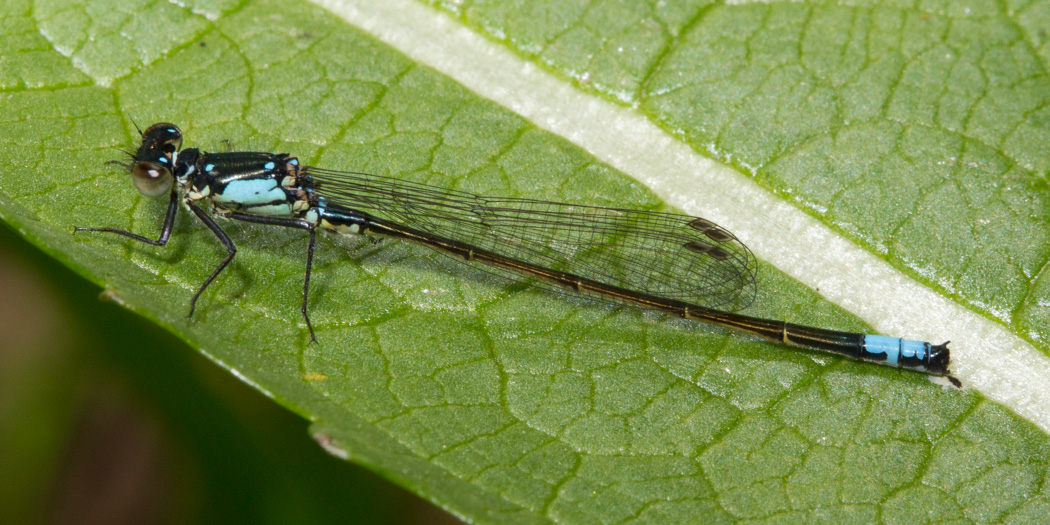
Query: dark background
{"type": "Point", "coordinates": [106, 418]}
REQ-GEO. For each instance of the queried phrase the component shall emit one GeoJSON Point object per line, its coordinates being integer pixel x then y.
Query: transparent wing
{"type": "Point", "coordinates": [663, 254]}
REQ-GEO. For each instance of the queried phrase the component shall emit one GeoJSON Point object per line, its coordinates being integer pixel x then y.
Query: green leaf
{"type": "Point", "coordinates": [498, 402]}
{"type": "Point", "coordinates": [921, 132]}
{"type": "Point", "coordinates": [196, 444]}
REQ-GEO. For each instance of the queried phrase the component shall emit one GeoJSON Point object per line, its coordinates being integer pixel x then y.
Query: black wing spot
{"type": "Point", "coordinates": [719, 235]}
{"type": "Point", "coordinates": [718, 253]}
{"type": "Point", "coordinates": [702, 224]}
{"type": "Point", "coordinates": [711, 230]}
{"type": "Point", "coordinates": [706, 249]}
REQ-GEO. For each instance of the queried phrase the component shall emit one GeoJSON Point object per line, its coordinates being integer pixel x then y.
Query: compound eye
{"type": "Point", "coordinates": [151, 179]}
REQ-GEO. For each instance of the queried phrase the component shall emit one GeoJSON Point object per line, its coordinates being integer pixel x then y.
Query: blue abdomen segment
{"type": "Point", "coordinates": [904, 353]}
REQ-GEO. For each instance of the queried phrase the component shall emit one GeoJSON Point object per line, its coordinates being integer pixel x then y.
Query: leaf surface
{"type": "Point", "coordinates": [499, 402]}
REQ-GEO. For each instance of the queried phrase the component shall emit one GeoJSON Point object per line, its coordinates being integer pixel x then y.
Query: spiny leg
{"type": "Point", "coordinates": [165, 233]}
{"type": "Point", "coordinates": [231, 250]}
{"type": "Point", "coordinates": [306, 282]}
{"type": "Point", "coordinates": [298, 224]}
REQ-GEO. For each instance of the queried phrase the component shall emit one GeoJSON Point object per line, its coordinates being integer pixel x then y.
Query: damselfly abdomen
{"type": "Point", "coordinates": [685, 266]}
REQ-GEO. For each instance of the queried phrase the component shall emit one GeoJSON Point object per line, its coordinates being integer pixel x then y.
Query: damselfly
{"type": "Point", "coordinates": [685, 266]}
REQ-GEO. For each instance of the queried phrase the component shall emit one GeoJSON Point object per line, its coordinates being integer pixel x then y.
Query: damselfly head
{"type": "Point", "coordinates": [161, 143]}
{"type": "Point", "coordinates": [155, 159]}
{"type": "Point", "coordinates": [151, 179]}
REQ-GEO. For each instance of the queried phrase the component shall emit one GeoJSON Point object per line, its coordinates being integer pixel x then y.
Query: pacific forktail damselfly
{"type": "Point", "coordinates": [681, 265]}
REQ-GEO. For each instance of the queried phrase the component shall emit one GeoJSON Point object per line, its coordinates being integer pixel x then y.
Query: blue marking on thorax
{"type": "Point", "coordinates": [208, 168]}
{"type": "Point", "coordinates": [280, 209]}
{"type": "Point", "coordinates": [269, 165]}
{"type": "Point", "coordinates": [252, 192]}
